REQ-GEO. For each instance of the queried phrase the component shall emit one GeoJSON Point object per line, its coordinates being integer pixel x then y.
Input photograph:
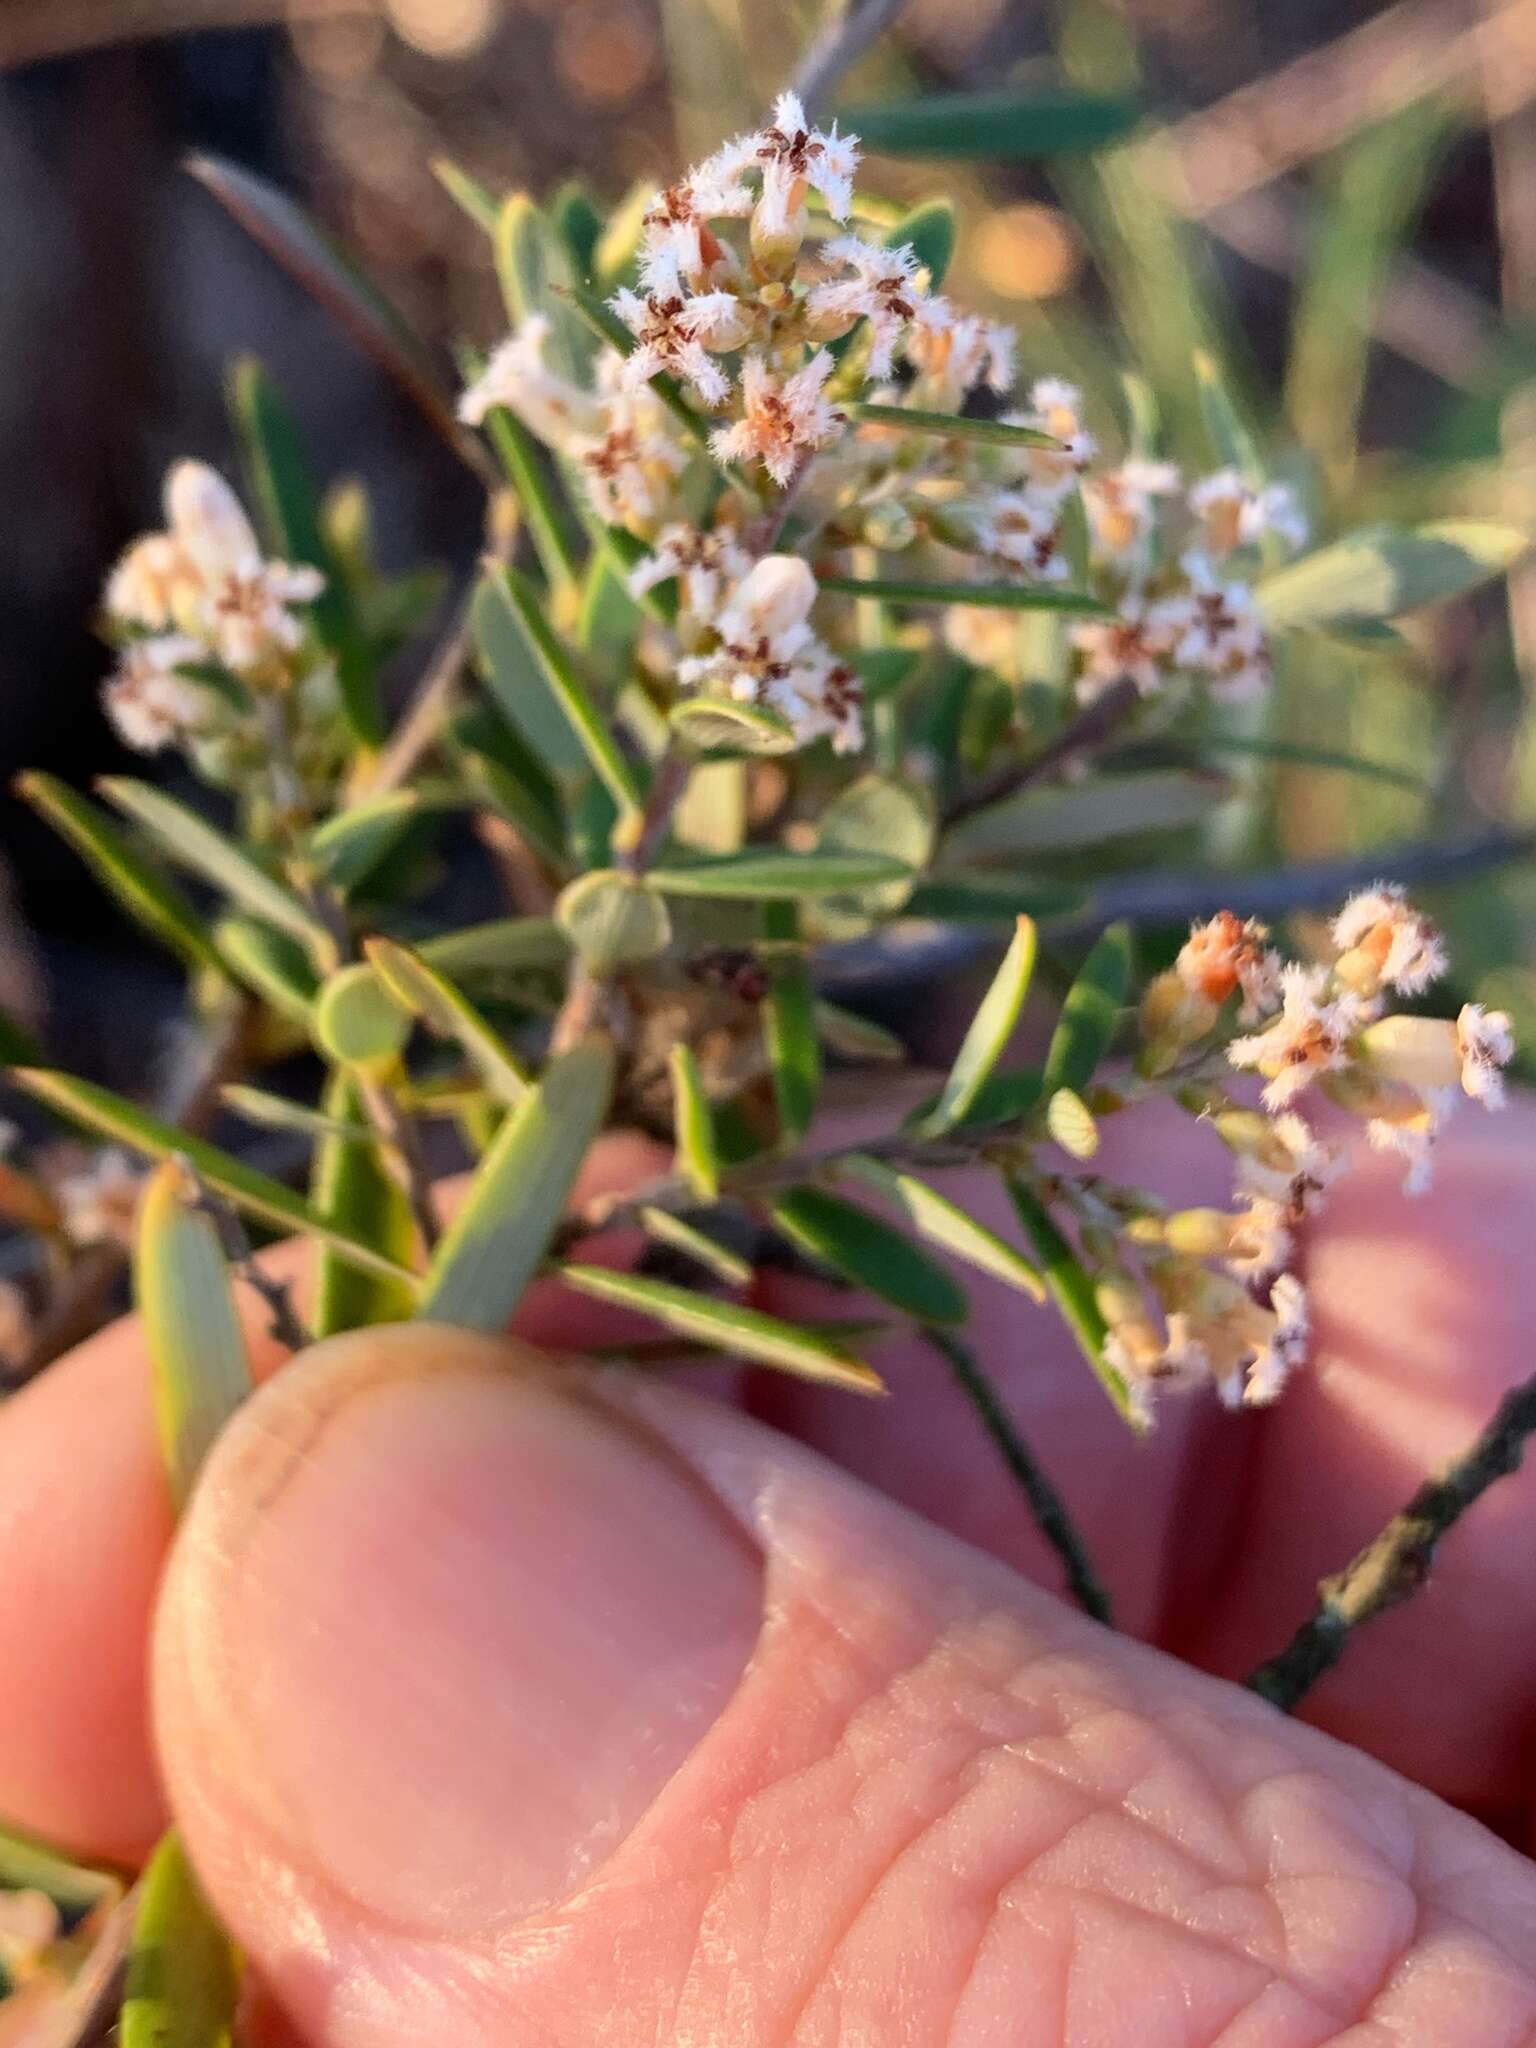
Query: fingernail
{"type": "Point", "coordinates": [446, 1625]}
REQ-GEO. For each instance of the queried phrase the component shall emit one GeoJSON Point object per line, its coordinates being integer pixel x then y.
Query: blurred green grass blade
{"type": "Point", "coordinates": [752, 874]}
{"type": "Point", "coordinates": [149, 897]}
{"type": "Point", "coordinates": [536, 275]}
{"type": "Point", "coordinates": [270, 964]}
{"type": "Point", "coordinates": [276, 1113]}
{"type": "Point", "coordinates": [288, 500]}
{"type": "Point", "coordinates": [197, 1357]}
{"type": "Point", "coordinates": [292, 239]}
{"type": "Point", "coordinates": [1381, 571]}
{"type": "Point", "coordinates": [431, 995]}
{"type": "Point", "coordinates": [945, 1224]}
{"type": "Point", "coordinates": [869, 1253]}
{"type": "Point", "coordinates": [204, 851]}
{"type": "Point", "coordinates": [254, 1194]}
{"type": "Point", "coordinates": [1071, 1288]}
{"type": "Point", "coordinates": [1014, 597]}
{"type": "Point", "coordinates": [1304, 755]}
{"type": "Point", "coordinates": [503, 945]}
{"type": "Point", "coordinates": [789, 1024]}
{"type": "Point", "coordinates": [857, 1038]}
{"type": "Point", "coordinates": [1374, 192]}
{"type": "Point", "coordinates": [991, 896]}
{"type": "Point", "coordinates": [990, 1031]}
{"type": "Point", "coordinates": [1090, 1012]}
{"type": "Point", "coordinates": [183, 1981]}
{"type": "Point", "coordinates": [513, 1207]}
{"type": "Point", "coordinates": [351, 1190]}
{"type": "Point", "coordinates": [518, 683]}
{"type": "Point", "coordinates": [29, 1864]}
{"type": "Point", "coordinates": [1007, 126]}
{"type": "Point", "coordinates": [348, 846]}
{"type": "Point", "coordinates": [503, 770]}
{"type": "Point", "coordinates": [694, 1125]}
{"type": "Point", "coordinates": [907, 419]}
{"type": "Point", "coordinates": [526, 607]}
{"type": "Point", "coordinates": [705, 1251]}
{"type": "Point", "coordinates": [529, 471]}
{"type": "Point", "coordinates": [1228, 436]}
{"type": "Point", "coordinates": [1108, 806]}
{"type": "Point", "coordinates": [467, 193]}
{"type": "Point", "coordinates": [742, 1333]}
{"type": "Point", "coordinates": [930, 231]}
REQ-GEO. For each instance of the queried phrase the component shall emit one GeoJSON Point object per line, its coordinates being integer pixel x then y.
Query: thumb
{"type": "Point", "coordinates": [508, 1704]}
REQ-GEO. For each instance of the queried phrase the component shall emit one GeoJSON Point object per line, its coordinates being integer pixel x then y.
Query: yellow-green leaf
{"type": "Point", "coordinates": [197, 1357]}
{"type": "Point", "coordinates": [613, 920]}
{"type": "Point", "coordinates": [694, 1124]}
{"type": "Point", "coordinates": [429, 994]}
{"type": "Point", "coordinates": [183, 1982]}
{"type": "Point", "coordinates": [990, 1030]}
{"type": "Point", "coordinates": [727, 1326]}
{"type": "Point", "coordinates": [495, 1244]}
{"type": "Point", "coordinates": [945, 1224]}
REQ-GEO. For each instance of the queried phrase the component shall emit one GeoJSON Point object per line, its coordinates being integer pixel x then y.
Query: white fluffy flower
{"type": "Point", "coordinates": [675, 334]}
{"type": "Point", "coordinates": [1486, 1042]}
{"type": "Point", "coordinates": [703, 563]}
{"type": "Point", "coordinates": [783, 419]}
{"type": "Point", "coordinates": [1127, 648]}
{"type": "Point", "coordinates": [1024, 529]}
{"type": "Point", "coordinates": [769, 656]}
{"type": "Point", "coordinates": [881, 287]}
{"type": "Point", "coordinates": [1385, 943]}
{"type": "Point", "coordinates": [954, 352]}
{"type": "Point", "coordinates": [1236, 514]}
{"type": "Point", "coordinates": [518, 377]}
{"type": "Point", "coordinates": [150, 705]}
{"type": "Point", "coordinates": [631, 466]}
{"type": "Point", "coordinates": [1311, 1036]}
{"type": "Point", "coordinates": [99, 1203]}
{"type": "Point", "coordinates": [1122, 504]}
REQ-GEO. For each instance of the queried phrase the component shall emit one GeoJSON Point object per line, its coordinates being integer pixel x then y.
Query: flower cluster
{"type": "Point", "coordinates": [208, 631]}
{"type": "Point", "coordinates": [1216, 1298]}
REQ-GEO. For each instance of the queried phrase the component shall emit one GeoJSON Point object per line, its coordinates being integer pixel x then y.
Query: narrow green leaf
{"type": "Point", "coordinates": [519, 685]}
{"type": "Point", "coordinates": [29, 1864]}
{"type": "Point", "coordinates": [183, 1982]}
{"type": "Point", "coordinates": [694, 1125]}
{"type": "Point", "coordinates": [197, 1357]}
{"type": "Point", "coordinates": [255, 1194]}
{"type": "Point", "coordinates": [1072, 1291]}
{"type": "Point", "coordinates": [276, 1113]}
{"type": "Point", "coordinates": [536, 275]}
{"type": "Point", "coordinates": [613, 920]}
{"type": "Point", "coordinates": [1232, 443]}
{"type": "Point", "coordinates": [525, 605]}
{"type": "Point", "coordinates": [286, 496]}
{"type": "Point", "coordinates": [705, 1251]}
{"type": "Point", "coordinates": [757, 873]}
{"type": "Point", "coordinates": [504, 945]}
{"type": "Point", "coordinates": [350, 845]}
{"type": "Point", "coordinates": [291, 238]}
{"type": "Point", "coordinates": [495, 1244]}
{"type": "Point", "coordinates": [503, 770]}
{"type": "Point", "coordinates": [269, 964]}
{"type": "Point", "coordinates": [944, 1223]}
{"type": "Point", "coordinates": [350, 1189]}
{"type": "Point", "coordinates": [789, 1024]}
{"type": "Point", "coordinates": [1007, 126]}
{"type": "Point", "coordinates": [150, 898]}
{"type": "Point", "coordinates": [1307, 756]}
{"type": "Point", "coordinates": [200, 848]}
{"type": "Point", "coordinates": [1014, 597]}
{"type": "Point", "coordinates": [949, 426]}
{"type": "Point", "coordinates": [991, 896]}
{"type": "Point", "coordinates": [990, 1030]}
{"type": "Point", "coordinates": [1051, 821]}
{"type": "Point", "coordinates": [467, 193]}
{"type": "Point", "coordinates": [706, 724]}
{"type": "Point", "coordinates": [744, 1333]}
{"type": "Point", "coordinates": [424, 990]}
{"type": "Point", "coordinates": [869, 1253]}
{"type": "Point", "coordinates": [1090, 1012]}
{"type": "Point", "coordinates": [1382, 571]}
{"type": "Point", "coordinates": [530, 471]}
{"type": "Point", "coordinates": [853, 1037]}
{"type": "Point", "coordinates": [929, 231]}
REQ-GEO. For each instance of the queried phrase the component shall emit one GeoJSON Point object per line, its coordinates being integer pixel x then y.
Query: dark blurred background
{"type": "Point", "coordinates": [126, 289]}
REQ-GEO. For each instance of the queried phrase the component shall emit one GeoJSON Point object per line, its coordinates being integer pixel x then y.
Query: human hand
{"type": "Point", "coordinates": [455, 1707]}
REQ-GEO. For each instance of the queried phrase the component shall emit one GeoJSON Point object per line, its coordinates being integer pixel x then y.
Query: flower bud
{"type": "Point", "coordinates": [889, 526]}
{"type": "Point", "coordinates": [1419, 1052]}
{"type": "Point", "coordinates": [1199, 1233]}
